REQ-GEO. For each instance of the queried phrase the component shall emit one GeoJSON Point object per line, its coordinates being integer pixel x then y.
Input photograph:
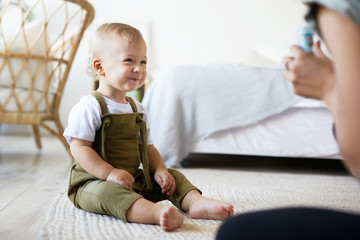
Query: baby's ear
{"type": "Point", "coordinates": [97, 67]}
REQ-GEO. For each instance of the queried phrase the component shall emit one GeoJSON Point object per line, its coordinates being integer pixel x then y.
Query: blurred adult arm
{"type": "Point", "coordinates": [342, 37]}
{"type": "Point", "coordinates": [335, 81]}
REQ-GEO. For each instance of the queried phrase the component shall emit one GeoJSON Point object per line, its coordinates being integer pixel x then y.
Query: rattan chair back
{"type": "Point", "coordinates": [38, 42]}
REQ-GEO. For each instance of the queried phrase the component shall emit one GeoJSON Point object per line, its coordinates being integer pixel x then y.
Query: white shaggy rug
{"type": "Point", "coordinates": [246, 190]}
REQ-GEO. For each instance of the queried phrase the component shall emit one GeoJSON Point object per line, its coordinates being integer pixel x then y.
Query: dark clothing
{"type": "Point", "coordinates": [291, 223]}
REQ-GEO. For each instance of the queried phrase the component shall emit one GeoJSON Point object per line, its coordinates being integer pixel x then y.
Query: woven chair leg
{"type": "Point", "coordinates": [58, 134]}
{"type": "Point", "coordinates": [61, 137]}
{"type": "Point", "coordinates": [37, 136]}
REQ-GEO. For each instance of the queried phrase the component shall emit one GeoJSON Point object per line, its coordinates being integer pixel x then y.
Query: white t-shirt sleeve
{"type": "Point", "coordinates": [84, 120]}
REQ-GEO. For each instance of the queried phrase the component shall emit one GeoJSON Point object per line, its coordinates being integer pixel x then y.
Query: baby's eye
{"type": "Point", "coordinates": [143, 62]}
{"type": "Point", "coordinates": [128, 60]}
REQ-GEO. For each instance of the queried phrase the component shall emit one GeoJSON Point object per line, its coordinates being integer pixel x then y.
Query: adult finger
{"type": "Point", "coordinates": [317, 50]}
{"type": "Point", "coordinates": [288, 75]}
{"type": "Point", "coordinates": [286, 60]}
{"type": "Point", "coordinates": [296, 51]}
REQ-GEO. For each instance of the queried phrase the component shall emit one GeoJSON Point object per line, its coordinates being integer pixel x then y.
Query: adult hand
{"type": "Point", "coordinates": [120, 177]}
{"type": "Point", "coordinates": [312, 75]}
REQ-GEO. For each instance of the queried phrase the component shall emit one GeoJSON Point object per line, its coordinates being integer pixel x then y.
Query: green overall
{"type": "Point", "coordinates": [118, 143]}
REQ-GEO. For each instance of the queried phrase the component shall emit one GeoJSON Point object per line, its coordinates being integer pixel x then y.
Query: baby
{"type": "Point", "coordinates": [109, 138]}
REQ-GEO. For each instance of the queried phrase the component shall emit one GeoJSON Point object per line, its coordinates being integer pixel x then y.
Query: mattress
{"type": "Point", "coordinates": [300, 131]}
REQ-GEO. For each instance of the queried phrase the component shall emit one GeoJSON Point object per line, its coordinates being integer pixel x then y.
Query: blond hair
{"type": "Point", "coordinates": [109, 30]}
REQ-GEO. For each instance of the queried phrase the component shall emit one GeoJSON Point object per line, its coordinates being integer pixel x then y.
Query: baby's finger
{"type": "Point", "coordinates": [168, 188]}
{"type": "Point", "coordinates": [165, 187]}
{"type": "Point", "coordinates": [131, 180]}
{"type": "Point", "coordinates": [124, 183]}
{"type": "Point", "coordinates": [172, 189]}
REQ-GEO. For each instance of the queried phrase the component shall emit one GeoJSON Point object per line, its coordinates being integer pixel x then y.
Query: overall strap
{"type": "Point", "coordinates": [132, 104]}
{"type": "Point", "coordinates": [101, 101]}
{"type": "Point", "coordinates": [144, 151]}
{"type": "Point", "coordinates": [144, 147]}
{"type": "Point", "coordinates": [105, 121]}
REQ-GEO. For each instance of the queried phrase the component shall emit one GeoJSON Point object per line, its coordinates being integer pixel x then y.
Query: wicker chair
{"type": "Point", "coordinates": [38, 42]}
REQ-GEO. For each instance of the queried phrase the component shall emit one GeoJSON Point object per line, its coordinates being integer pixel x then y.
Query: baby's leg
{"type": "Point", "coordinates": [109, 198]}
{"type": "Point", "coordinates": [188, 198]}
{"type": "Point", "coordinates": [144, 211]}
{"type": "Point", "coordinates": [206, 208]}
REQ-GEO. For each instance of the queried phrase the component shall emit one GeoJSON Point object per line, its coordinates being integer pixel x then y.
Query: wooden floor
{"type": "Point", "coordinates": [30, 179]}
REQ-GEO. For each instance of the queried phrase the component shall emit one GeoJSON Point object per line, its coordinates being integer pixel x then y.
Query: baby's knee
{"type": "Point", "coordinates": [107, 198]}
{"type": "Point", "coordinates": [176, 173]}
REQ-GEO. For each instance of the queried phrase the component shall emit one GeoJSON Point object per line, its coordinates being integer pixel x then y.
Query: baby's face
{"type": "Point", "coordinates": [124, 64]}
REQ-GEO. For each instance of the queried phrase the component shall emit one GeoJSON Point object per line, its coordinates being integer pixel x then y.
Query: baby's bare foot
{"type": "Point", "coordinates": [170, 219]}
{"type": "Point", "coordinates": [206, 208]}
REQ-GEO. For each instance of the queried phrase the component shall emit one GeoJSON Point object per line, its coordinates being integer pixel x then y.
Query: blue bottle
{"type": "Point", "coordinates": [305, 38]}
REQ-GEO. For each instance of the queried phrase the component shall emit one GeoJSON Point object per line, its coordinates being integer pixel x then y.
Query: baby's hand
{"type": "Point", "coordinates": [166, 181]}
{"type": "Point", "coordinates": [120, 177]}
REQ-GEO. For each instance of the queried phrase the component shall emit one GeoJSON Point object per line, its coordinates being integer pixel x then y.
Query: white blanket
{"type": "Point", "coordinates": [188, 103]}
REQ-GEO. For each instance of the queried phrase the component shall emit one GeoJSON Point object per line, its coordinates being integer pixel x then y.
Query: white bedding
{"type": "Point", "coordinates": [186, 104]}
{"type": "Point", "coordinates": [297, 132]}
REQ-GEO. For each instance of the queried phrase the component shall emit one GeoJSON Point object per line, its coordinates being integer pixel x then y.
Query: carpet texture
{"type": "Point", "coordinates": [246, 190]}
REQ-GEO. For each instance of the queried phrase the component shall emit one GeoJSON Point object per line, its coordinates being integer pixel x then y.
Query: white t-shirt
{"type": "Point", "coordinates": [84, 118]}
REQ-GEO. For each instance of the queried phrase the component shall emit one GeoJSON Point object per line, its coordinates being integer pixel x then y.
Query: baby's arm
{"type": "Point", "coordinates": [96, 166]}
{"type": "Point", "coordinates": [157, 167]}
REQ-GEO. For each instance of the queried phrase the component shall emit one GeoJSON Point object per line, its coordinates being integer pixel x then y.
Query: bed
{"type": "Point", "coordinates": [204, 113]}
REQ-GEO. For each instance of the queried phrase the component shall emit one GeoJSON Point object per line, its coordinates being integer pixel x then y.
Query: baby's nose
{"type": "Point", "coordinates": [136, 68]}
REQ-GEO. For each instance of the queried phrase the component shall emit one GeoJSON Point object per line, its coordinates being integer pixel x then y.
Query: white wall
{"type": "Point", "coordinates": [190, 32]}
